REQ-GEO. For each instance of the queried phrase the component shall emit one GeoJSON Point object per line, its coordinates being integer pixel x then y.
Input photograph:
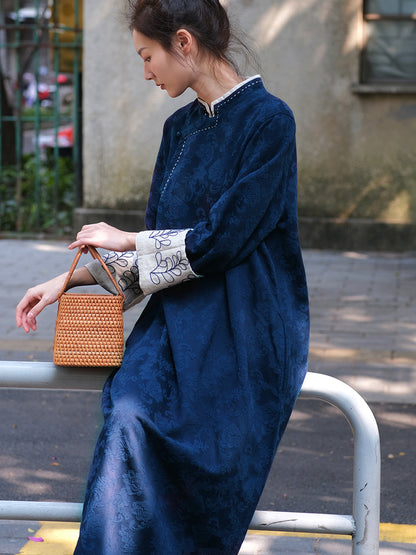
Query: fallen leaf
{"type": "Point", "coordinates": [35, 539]}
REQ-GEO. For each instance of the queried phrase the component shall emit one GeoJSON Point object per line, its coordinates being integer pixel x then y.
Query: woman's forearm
{"type": "Point", "coordinates": [81, 276]}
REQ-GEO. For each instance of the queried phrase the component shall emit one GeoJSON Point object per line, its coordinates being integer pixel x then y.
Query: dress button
{"type": "Point", "coordinates": [179, 134]}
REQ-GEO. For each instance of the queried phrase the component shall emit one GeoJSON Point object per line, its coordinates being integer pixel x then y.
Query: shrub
{"type": "Point", "coordinates": [46, 199]}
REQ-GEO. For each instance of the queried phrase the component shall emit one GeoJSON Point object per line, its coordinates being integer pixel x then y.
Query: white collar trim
{"type": "Point", "coordinates": [210, 108]}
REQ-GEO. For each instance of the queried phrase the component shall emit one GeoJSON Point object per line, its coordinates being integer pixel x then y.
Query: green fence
{"type": "Point", "coordinates": [40, 114]}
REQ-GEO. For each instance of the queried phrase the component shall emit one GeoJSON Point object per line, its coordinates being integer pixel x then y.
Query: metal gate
{"type": "Point", "coordinates": [40, 114]}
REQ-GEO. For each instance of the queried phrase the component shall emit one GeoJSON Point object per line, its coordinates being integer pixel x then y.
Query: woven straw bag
{"type": "Point", "coordinates": [89, 327]}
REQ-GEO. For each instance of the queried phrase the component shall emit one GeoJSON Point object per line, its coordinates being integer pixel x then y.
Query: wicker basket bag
{"type": "Point", "coordinates": [89, 327]}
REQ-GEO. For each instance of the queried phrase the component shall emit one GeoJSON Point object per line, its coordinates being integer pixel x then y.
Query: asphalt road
{"type": "Point", "coordinates": [48, 438]}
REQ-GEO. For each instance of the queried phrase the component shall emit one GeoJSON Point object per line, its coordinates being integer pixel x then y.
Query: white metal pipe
{"type": "Point", "coordinates": [367, 465]}
{"type": "Point", "coordinates": [303, 522]}
{"type": "Point", "coordinates": [45, 375]}
{"type": "Point", "coordinates": [40, 510]}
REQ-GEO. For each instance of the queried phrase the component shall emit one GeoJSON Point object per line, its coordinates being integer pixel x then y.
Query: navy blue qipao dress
{"type": "Point", "coordinates": [213, 366]}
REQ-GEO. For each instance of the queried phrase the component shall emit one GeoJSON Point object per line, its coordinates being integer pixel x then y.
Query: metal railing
{"type": "Point", "coordinates": [362, 525]}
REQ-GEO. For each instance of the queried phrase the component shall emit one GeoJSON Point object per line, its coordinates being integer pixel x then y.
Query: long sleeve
{"type": "Point", "coordinates": [253, 206]}
{"type": "Point", "coordinates": [237, 223]}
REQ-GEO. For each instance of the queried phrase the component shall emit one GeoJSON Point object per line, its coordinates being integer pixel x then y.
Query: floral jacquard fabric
{"type": "Point", "coordinates": [213, 366]}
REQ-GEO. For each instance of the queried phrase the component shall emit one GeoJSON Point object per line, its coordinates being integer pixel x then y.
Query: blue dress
{"type": "Point", "coordinates": [212, 368]}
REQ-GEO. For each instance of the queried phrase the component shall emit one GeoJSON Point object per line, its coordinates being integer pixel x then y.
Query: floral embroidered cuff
{"type": "Point", "coordinates": [162, 259]}
{"type": "Point", "coordinates": [125, 271]}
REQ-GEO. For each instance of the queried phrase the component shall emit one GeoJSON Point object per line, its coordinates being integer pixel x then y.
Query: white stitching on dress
{"type": "Point", "coordinates": [216, 115]}
{"type": "Point", "coordinates": [183, 148]}
{"type": "Point", "coordinates": [237, 92]}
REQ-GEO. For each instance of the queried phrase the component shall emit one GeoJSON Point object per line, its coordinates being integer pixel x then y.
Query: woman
{"type": "Point", "coordinates": [214, 364]}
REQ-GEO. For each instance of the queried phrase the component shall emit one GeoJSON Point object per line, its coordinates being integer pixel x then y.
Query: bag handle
{"type": "Point", "coordinates": [96, 256]}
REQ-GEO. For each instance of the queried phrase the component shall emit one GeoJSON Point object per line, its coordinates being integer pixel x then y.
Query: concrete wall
{"type": "Point", "coordinates": [357, 155]}
{"type": "Point", "coordinates": [123, 113]}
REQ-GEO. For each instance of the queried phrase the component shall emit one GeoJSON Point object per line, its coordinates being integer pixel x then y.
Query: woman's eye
{"type": "Point", "coordinates": [147, 59]}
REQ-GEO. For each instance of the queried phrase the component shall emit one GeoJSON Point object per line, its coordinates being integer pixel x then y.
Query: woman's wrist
{"type": "Point", "coordinates": [131, 241]}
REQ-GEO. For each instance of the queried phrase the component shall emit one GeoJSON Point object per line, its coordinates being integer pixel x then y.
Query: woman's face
{"type": "Point", "coordinates": [168, 71]}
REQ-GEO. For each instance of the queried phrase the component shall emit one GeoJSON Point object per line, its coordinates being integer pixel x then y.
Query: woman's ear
{"type": "Point", "coordinates": [184, 41]}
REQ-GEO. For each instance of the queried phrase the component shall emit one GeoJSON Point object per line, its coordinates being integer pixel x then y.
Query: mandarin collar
{"type": "Point", "coordinates": [210, 108]}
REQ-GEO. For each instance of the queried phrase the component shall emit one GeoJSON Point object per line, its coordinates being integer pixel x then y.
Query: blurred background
{"type": "Point", "coordinates": [80, 127]}
{"type": "Point", "coordinates": [41, 115]}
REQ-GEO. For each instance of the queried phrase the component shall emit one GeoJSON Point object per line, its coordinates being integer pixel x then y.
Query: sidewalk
{"type": "Point", "coordinates": [363, 321]}
{"type": "Point", "coordinates": [363, 331]}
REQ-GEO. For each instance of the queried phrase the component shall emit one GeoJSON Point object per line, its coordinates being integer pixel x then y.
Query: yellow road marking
{"type": "Point", "coordinates": [400, 533]}
{"type": "Point", "coordinates": [59, 538]}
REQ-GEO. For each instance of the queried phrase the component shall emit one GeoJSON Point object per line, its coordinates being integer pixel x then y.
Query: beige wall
{"type": "Point", "coordinates": [357, 154]}
{"type": "Point", "coordinates": [123, 113]}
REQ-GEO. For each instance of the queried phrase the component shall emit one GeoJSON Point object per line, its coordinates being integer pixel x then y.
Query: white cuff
{"type": "Point", "coordinates": [123, 267]}
{"type": "Point", "coordinates": [162, 259]}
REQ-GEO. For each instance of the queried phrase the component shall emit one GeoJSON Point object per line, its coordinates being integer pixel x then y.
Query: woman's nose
{"type": "Point", "coordinates": [148, 75]}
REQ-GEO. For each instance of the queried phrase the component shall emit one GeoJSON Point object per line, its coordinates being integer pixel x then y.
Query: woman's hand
{"type": "Point", "coordinates": [44, 294]}
{"type": "Point", "coordinates": [35, 300]}
{"type": "Point", "coordinates": [105, 236]}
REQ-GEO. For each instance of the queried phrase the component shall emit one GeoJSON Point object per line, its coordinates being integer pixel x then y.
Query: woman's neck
{"type": "Point", "coordinates": [213, 81]}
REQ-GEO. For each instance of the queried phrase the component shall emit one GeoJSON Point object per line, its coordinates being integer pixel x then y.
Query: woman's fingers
{"type": "Point", "coordinates": [26, 312]}
{"type": "Point", "coordinates": [35, 300]}
{"type": "Point", "coordinates": [92, 234]}
{"type": "Point", "coordinates": [104, 236]}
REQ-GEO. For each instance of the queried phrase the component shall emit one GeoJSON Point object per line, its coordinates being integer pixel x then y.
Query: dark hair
{"type": "Point", "coordinates": [206, 20]}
